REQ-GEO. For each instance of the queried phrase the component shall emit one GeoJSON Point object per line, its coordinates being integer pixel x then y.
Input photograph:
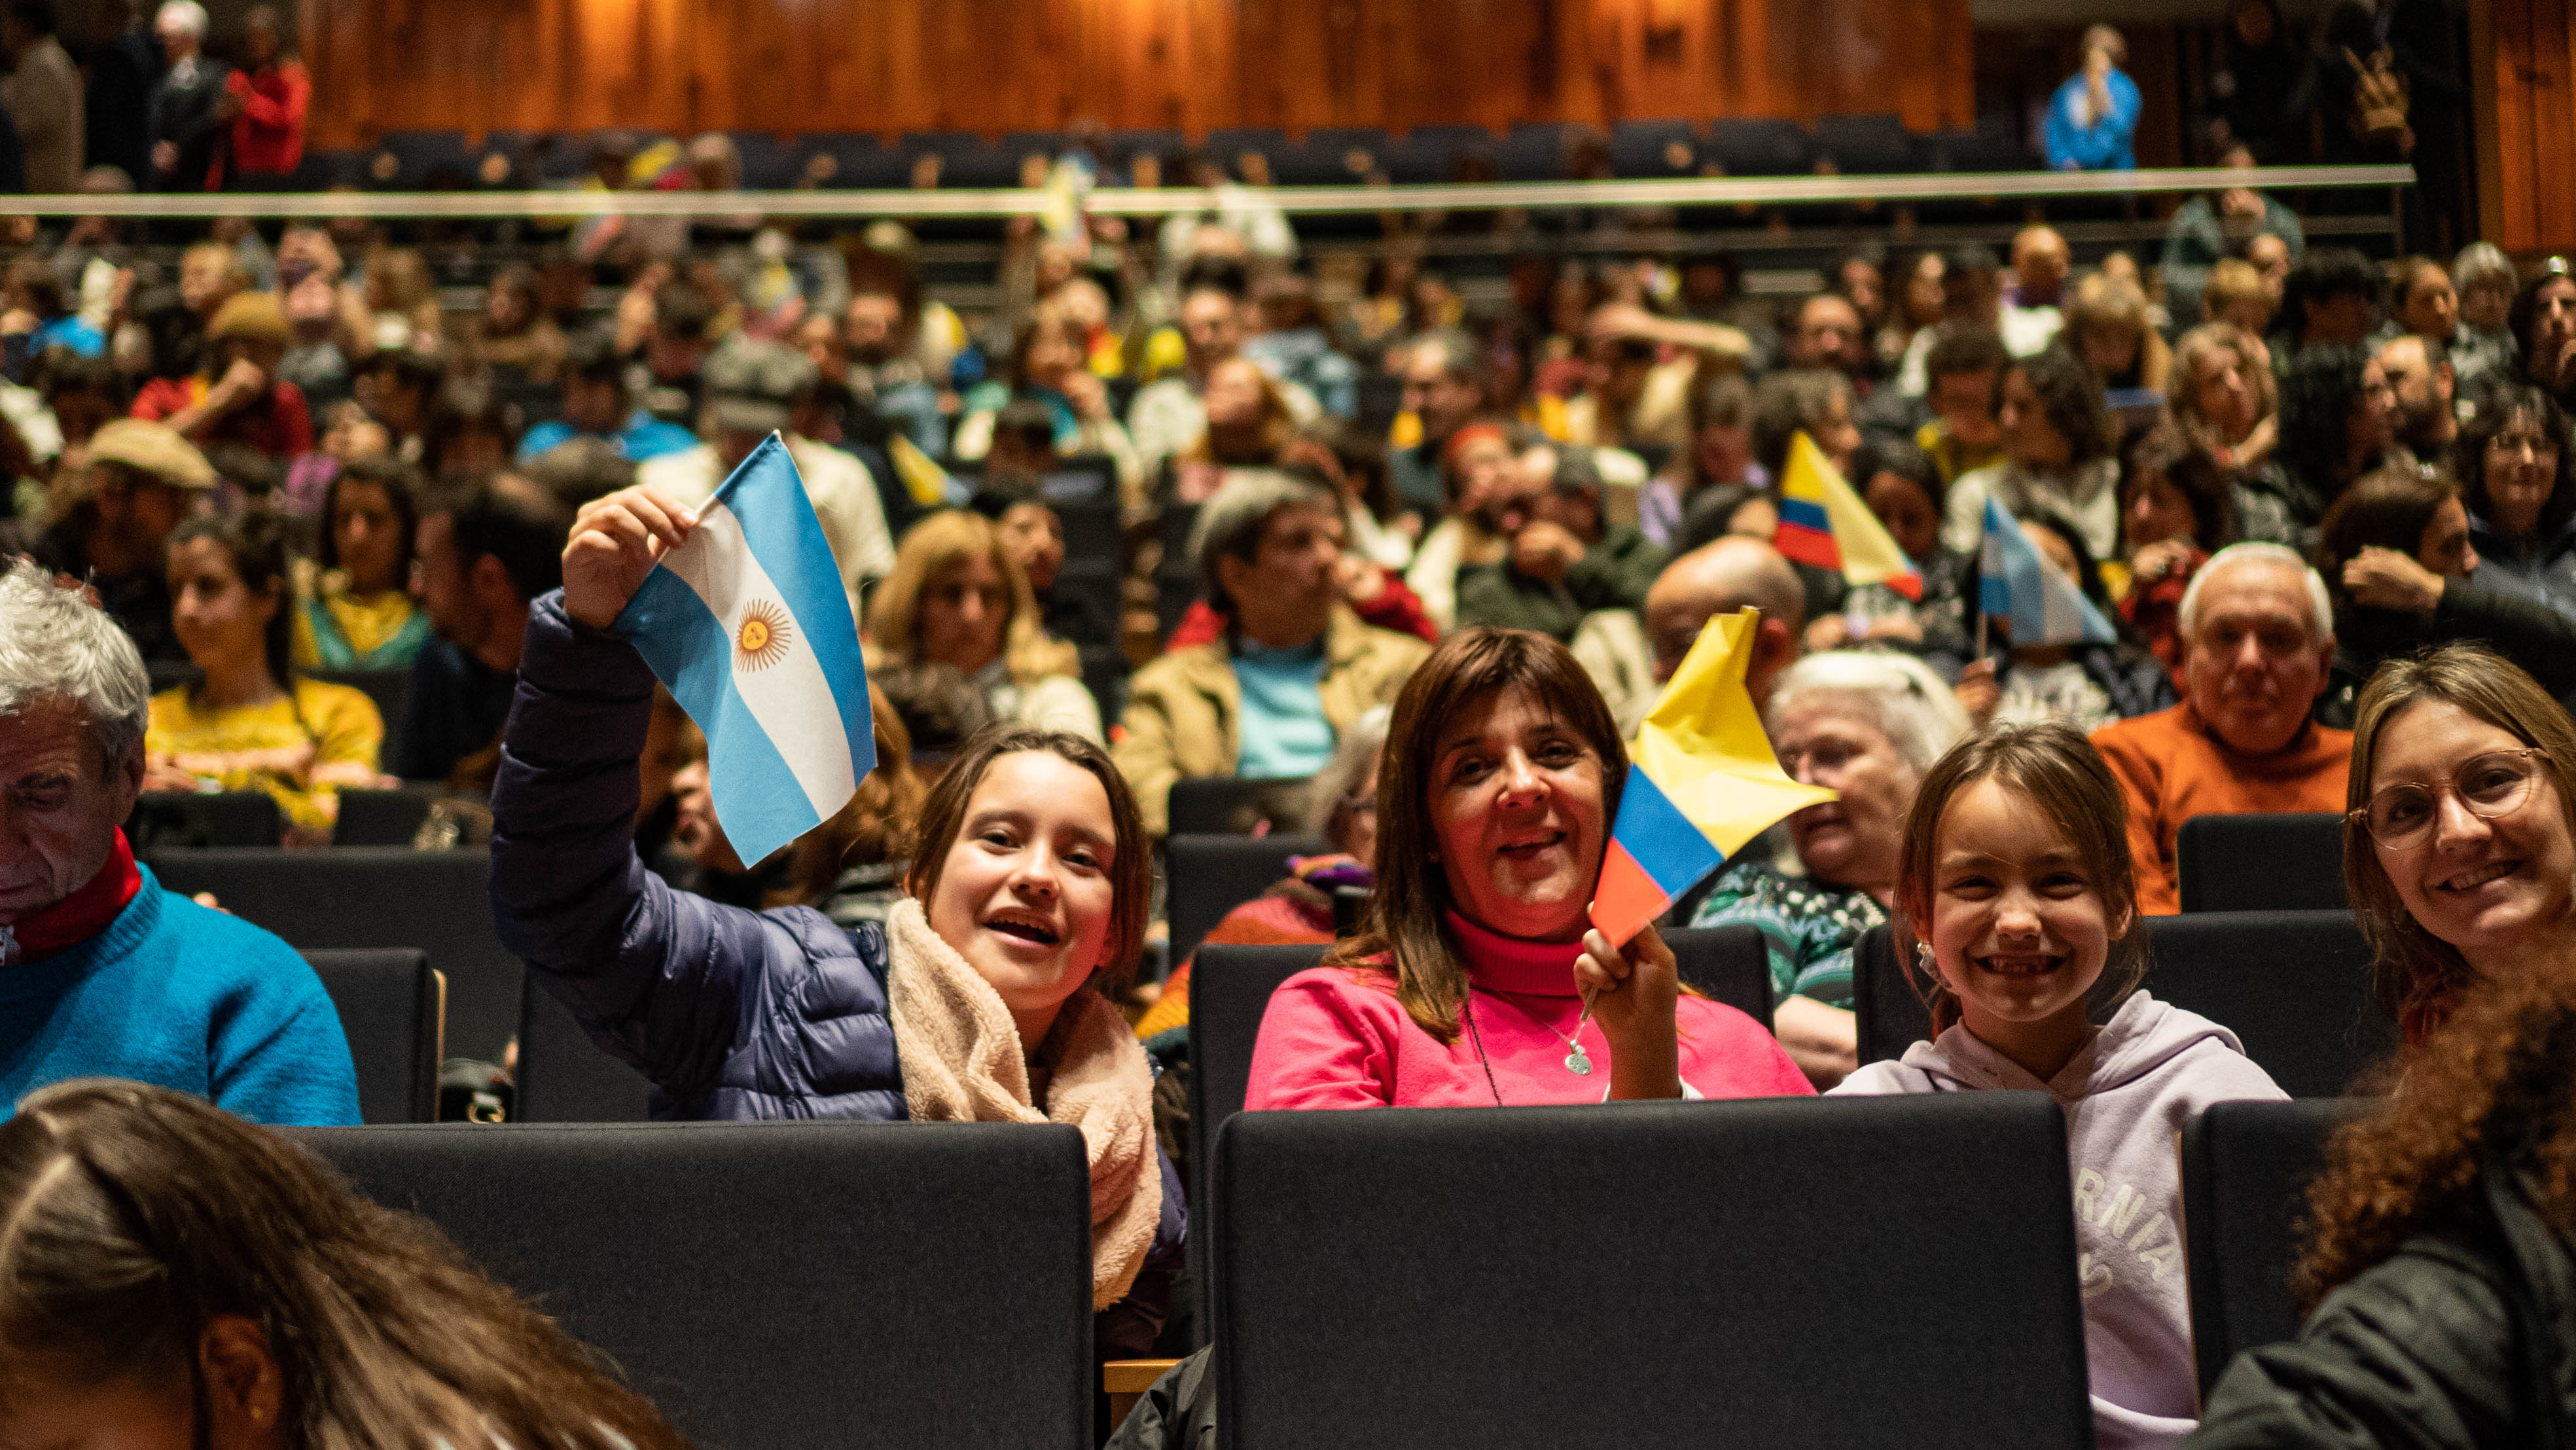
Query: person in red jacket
{"type": "Point", "coordinates": [239, 398]}
{"type": "Point", "coordinates": [265, 101]}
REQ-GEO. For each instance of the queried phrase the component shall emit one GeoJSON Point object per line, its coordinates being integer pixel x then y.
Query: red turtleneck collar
{"type": "Point", "coordinates": [77, 917]}
{"type": "Point", "coordinates": [1499, 963]}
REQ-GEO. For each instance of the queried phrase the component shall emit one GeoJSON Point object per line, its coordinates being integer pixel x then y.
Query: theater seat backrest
{"type": "Point", "coordinates": [2245, 1174]}
{"type": "Point", "coordinates": [2294, 986]}
{"type": "Point", "coordinates": [564, 1076]}
{"type": "Point", "coordinates": [2261, 862]}
{"type": "Point", "coordinates": [1891, 1013]}
{"type": "Point", "coordinates": [1729, 964]}
{"type": "Point", "coordinates": [437, 901]}
{"type": "Point", "coordinates": [391, 1010]}
{"type": "Point", "coordinates": [1230, 988]}
{"type": "Point", "coordinates": [1780, 1272]}
{"type": "Point", "coordinates": [785, 1285]}
{"type": "Point", "coordinates": [1209, 876]}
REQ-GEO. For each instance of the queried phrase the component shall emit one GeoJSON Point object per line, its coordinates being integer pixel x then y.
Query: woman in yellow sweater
{"type": "Point", "coordinates": [250, 724]}
{"type": "Point", "coordinates": [359, 613]}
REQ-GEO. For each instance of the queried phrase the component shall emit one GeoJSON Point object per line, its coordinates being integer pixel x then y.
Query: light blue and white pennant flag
{"type": "Point", "coordinates": [2015, 583]}
{"type": "Point", "coordinates": [749, 626]}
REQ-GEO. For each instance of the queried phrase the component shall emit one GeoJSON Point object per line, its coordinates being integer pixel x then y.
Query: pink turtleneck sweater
{"type": "Point", "coordinates": [1338, 1038]}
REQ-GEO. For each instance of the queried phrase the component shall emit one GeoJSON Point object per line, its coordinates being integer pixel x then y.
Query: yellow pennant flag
{"type": "Point", "coordinates": [1702, 781]}
{"type": "Point", "coordinates": [925, 480]}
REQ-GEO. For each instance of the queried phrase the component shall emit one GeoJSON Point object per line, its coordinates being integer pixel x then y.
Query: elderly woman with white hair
{"type": "Point", "coordinates": [109, 974]}
{"type": "Point", "coordinates": [1868, 724]}
{"type": "Point", "coordinates": [2484, 279]}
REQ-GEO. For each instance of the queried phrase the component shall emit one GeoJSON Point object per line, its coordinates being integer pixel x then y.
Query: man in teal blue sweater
{"type": "Point", "coordinates": [103, 973]}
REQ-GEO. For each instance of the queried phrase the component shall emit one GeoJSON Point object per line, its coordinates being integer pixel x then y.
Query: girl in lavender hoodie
{"type": "Point", "coordinates": [2016, 898]}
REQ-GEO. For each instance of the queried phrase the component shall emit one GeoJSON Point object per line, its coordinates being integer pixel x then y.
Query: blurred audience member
{"type": "Point", "coordinates": [144, 480]}
{"type": "Point", "coordinates": [2057, 456]}
{"type": "Point", "coordinates": [2515, 457]}
{"type": "Point", "coordinates": [485, 550]}
{"type": "Point", "coordinates": [957, 597]}
{"type": "Point", "coordinates": [359, 613]}
{"type": "Point", "coordinates": [237, 397]}
{"type": "Point", "coordinates": [251, 723]}
{"type": "Point", "coordinates": [1295, 669]}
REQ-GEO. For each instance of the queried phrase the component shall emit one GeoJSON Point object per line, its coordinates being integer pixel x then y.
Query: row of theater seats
{"type": "Point", "coordinates": [381, 922]}
{"type": "Point", "coordinates": [2293, 983]}
{"type": "Point", "coordinates": [1783, 1271]}
{"type": "Point", "coordinates": [1325, 156]}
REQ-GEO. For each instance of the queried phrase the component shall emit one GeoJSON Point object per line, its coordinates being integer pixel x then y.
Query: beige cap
{"type": "Point", "coordinates": [254, 315]}
{"type": "Point", "coordinates": [153, 448]}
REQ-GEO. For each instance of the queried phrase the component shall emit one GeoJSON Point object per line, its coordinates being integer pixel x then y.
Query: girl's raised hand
{"type": "Point", "coordinates": [616, 541]}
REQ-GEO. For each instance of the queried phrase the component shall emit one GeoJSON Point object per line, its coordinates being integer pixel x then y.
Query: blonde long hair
{"type": "Point", "coordinates": [936, 545]}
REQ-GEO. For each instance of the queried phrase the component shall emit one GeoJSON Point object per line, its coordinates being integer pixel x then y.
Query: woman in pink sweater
{"type": "Point", "coordinates": [1466, 985]}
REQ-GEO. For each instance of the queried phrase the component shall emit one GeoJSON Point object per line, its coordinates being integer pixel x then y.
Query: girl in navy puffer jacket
{"type": "Point", "coordinates": [988, 994]}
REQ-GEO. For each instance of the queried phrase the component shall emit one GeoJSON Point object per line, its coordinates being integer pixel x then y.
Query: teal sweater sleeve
{"type": "Point", "coordinates": [186, 998]}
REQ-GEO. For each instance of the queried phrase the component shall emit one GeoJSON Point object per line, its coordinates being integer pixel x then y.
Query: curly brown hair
{"type": "Point", "coordinates": [2485, 1092]}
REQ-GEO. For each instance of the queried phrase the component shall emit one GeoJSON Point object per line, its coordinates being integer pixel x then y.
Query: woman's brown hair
{"type": "Point", "coordinates": [131, 1216]}
{"type": "Point", "coordinates": [1131, 868]}
{"type": "Point", "coordinates": [1406, 922]}
{"type": "Point", "coordinates": [2194, 348]}
{"type": "Point", "coordinates": [2387, 509]}
{"type": "Point", "coordinates": [875, 828]}
{"type": "Point", "coordinates": [2060, 771]}
{"type": "Point", "coordinates": [2486, 1092]}
{"type": "Point", "coordinates": [2419, 972]}
{"type": "Point", "coordinates": [931, 548]}
{"type": "Point", "coordinates": [2117, 304]}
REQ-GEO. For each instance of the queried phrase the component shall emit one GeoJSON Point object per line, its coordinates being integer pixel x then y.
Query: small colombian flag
{"type": "Point", "coordinates": [1702, 781]}
{"type": "Point", "coordinates": [1824, 524]}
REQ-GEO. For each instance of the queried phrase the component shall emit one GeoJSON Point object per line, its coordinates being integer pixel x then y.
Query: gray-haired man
{"type": "Point", "coordinates": [103, 972]}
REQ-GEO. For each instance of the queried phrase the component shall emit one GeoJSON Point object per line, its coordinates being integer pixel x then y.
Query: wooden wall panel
{"type": "Point", "coordinates": [996, 66]}
{"type": "Point", "coordinates": [2529, 79]}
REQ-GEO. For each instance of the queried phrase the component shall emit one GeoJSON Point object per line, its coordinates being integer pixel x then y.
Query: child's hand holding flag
{"type": "Point", "coordinates": [740, 610]}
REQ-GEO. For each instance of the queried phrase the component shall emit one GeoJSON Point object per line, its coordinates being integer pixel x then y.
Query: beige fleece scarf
{"type": "Point", "coordinates": [961, 1060]}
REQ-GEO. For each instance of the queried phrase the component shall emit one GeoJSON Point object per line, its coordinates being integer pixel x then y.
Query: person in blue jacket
{"type": "Point", "coordinates": [989, 994]}
{"type": "Point", "coordinates": [2093, 118]}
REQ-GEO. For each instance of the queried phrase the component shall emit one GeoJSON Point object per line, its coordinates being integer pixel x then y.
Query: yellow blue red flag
{"type": "Point", "coordinates": [1825, 524]}
{"type": "Point", "coordinates": [1702, 781]}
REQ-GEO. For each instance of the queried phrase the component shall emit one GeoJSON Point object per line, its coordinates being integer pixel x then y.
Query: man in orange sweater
{"type": "Point", "coordinates": [2258, 636]}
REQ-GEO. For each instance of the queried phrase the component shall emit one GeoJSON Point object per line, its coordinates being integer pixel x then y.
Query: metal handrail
{"type": "Point", "coordinates": [1294, 200]}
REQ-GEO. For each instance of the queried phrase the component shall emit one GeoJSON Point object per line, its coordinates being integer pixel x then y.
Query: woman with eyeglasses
{"type": "Point", "coordinates": [2459, 853]}
{"type": "Point", "coordinates": [2514, 460]}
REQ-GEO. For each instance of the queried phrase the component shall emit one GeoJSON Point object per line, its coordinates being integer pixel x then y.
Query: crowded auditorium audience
{"type": "Point", "coordinates": [1380, 552]}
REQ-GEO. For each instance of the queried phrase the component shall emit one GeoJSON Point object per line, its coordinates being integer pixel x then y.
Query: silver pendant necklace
{"type": "Point", "coordinates": [1577, 1061]}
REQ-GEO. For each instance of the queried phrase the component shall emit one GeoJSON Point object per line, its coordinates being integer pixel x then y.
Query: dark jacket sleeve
{"type": "Point", "coordinates": [731, 1013]}
{"type": "Point", "coordinates": [1617, 572]}
{"type": "Point", "coordinates": [2416, 1354]}
{"type": "Point", "coordinates": [2517, 624]}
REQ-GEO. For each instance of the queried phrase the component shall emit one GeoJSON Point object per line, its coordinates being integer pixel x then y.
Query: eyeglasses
{"type": "Point", "coordinates": [2490, 787]}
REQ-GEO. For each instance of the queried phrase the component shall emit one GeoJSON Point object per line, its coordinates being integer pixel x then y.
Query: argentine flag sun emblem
{"type": "Point", "coordinates": [749, 626]}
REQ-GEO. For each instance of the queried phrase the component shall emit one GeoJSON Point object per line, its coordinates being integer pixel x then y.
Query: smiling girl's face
{"type": "Point", "coordinates": [1025, 892]}
{"type": "Point", "coordinates": [2020, 929]}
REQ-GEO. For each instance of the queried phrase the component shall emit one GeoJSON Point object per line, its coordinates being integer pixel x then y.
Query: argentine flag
{"type": "Point", "coordinates": [2015, 582]}
{"type": "Point", "coordinates": [748, 625]}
